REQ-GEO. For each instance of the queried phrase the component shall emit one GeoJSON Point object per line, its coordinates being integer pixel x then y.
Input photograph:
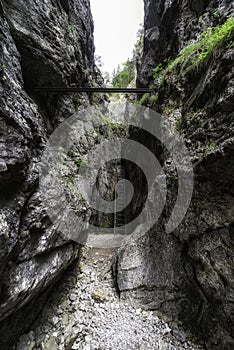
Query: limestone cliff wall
{"type": "Point", "coordinates": [188, 274]}
{"type": "Point", "coordinates": [43, 43]}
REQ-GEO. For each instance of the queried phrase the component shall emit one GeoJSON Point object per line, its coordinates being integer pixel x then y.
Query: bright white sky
{"type": "Point", "coordinates": [116, 23]}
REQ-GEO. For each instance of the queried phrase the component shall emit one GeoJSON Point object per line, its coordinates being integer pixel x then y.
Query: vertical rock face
{"type": "Point", "coordinates": [171, 25]}
{"type": "Point", "coordinates": [43, 43]}
{"type": "Point", "coordinates": [188, 274]}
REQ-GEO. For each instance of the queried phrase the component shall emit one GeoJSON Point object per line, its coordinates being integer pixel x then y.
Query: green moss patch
{"type": "Point", "coordinates": [198, 52]}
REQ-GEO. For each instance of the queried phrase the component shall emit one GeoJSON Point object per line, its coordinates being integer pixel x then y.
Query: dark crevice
{"type": "Point", "coordinates": [114, 270]}
{"type": "Point", "coordinates": [65, 5]}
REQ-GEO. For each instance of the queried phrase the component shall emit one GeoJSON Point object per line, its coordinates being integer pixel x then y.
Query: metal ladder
{"type": "Point", "coordinates": [119, 220]}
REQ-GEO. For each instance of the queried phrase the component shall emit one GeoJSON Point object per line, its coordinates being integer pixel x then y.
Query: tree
{"type": "Point", "coordinates": [113, 74]}
{"type": "Point", "coordinates": [107, 78]}
{"type": "Point", "coordinates": [123, 77]}
{"type": "Point", "coordinates": [126, 75]}
{"type": "Point", "coordinates": [118, 70]}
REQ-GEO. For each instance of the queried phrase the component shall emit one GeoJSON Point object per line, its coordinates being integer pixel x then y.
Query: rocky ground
{"type": "Point", "coordinates": [85, 313]}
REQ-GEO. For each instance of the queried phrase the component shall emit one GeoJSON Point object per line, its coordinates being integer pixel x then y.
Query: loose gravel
{"type": "Point", "coordinates": [85, 313]}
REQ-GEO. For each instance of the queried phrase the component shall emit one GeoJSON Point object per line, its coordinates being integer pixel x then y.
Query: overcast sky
{"type": "Point", "coordinates": [115, 26]}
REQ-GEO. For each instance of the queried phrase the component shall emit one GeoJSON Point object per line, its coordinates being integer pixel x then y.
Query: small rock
{"type": "Point", "coordinates": [65, 319]}
{"type": "Point", "coordinates": [166, 330]}
{"type": "Point", "coordinates": [3, 166]}
{"type": "Point", "coordinates": [100, 295]}
{"type": "Point", "coordinates": [73, 297]}
{"type": "Point", "coordinates": [179, 335]}
{"type": "Point", "coordinates": [145, 313]}
{"type": "Point", "coordinates": [88, 338]}
{"type": "Point", "coordinates": [78, 315]}
{"type": "Point", "coordinates": [74, 280]}
{"type": "Point", "coordinates": [55, 320]}
{"type": "Point", "coordinates": [87, 347]}
{"type": "Point", "coordinates": [138, 311]}
{"type": "Point", "coordinates": [85, 270]}
{"type": "Point", "coordinates": [65, 305]}
{"type": "Point", "coordinates": [81, 264]}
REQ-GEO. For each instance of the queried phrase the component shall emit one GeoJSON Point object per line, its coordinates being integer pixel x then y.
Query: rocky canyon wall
{"type": "Point", "coordinates": [43, 43]}
{"type": "Point", "coordinates": [188, 274]}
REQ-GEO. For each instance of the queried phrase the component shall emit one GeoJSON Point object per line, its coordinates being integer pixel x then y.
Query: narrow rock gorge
{"type": "Point", "coordinates": [161, 290]}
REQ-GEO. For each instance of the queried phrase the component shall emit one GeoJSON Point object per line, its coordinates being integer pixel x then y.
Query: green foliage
{"type": "Point", "coordinates": [174, 177]}
{"type": "Point", "coordinates": [210, 147]}
{"type": "Point", "coordinates": [229, 44]}
{"type": "Point", "coordinates": [95, 97]}
{"type": "Point", "coordinates": [80, 162]}
{"type": "Point", "coordinates": [77, 161]}
{"type": "Point", "coordinates": [144, 99]}
{"type": "Point", "coordinates": [106, 120]}
{"type": "Point", "coordinates": [76, 102]}
{"type": "Point", "coordinates": [153, 99]}
{"type": "Point", "coordinates": [118, 128]}
{"type": "Point", "coordinates": [168, 109]}
{"type": "Point", "coordinates": [213, 36]}
{"type": "Point", "coordinates": [180, 124]}
{"type": "Point", "coordinates": [147, 98]}
{"type": "Point", "coordinates": [125, 77]}
{"type": "Point", "coordinates": [158, 69]}
{"type": "Point", "coordinates": [71, 28]}
{"type": "Point", "coordinates": [198, 52]}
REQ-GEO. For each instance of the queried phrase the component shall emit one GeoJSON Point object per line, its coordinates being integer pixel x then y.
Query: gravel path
{"type": "Point", "coordinates": [85, 313]}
